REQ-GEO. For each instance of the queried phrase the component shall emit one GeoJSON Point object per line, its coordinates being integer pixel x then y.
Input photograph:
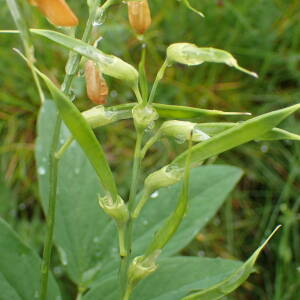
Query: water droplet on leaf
{"type": "Point", "coordinates": [41, 171]}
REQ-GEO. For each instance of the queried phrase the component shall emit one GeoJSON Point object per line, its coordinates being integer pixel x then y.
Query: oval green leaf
{"type": "Point", "coordinates": [20, 269]}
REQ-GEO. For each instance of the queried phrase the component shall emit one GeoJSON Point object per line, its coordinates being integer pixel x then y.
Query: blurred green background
{"type": "Point", "coordinates": [264, 35]}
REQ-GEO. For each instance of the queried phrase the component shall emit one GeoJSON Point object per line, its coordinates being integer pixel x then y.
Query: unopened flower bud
{"type": "Point", "coordinates": [96, 87]}
{"type": "Point", "coordinates": [141, 267]}
{"type": "Point", "coordinates": [98, 116]}
{"type": "Point", "coordinates": [57, 12]}
{"type": "Point", "coordinates": [117, 210]}
{"type": "Point", "coordinates": [144, 116]}
{"type": "Point", "coordinates": [183, 131]}
{"type": "Point", "coordinates": [139, 15]}
{"type": "Point", "coordinates": [164, 177]}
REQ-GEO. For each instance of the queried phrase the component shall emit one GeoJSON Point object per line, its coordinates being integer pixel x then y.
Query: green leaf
{"type": "Point", "coordinates": [278, 134]}
{"type": "Point", "coordinates": [171, 224]}
{"type": "Point", "coordinates": [189, 6]}
{"type": "Point", "coordinates": [99, 115]}
{"type": "Point", "coordinates": [209, 187]}
{"type": "Point", "coordinates": [20, 22]}
{"type": "Point", "coordinates": [80, 221]}
{"type": "Point", "coordinates": [84, 135]}
{"type": "Point", "coordinates": [20, 269]}
{"type": "Point", "coordinates": [185, 112]}
{"type": "Point", "coordinates": [275, 134]}
{"type": "Point", "coordinates": [142, 74]}
{"type": "Point", "coordinates": [109, 64]}
{"type": "Point", "coordinates": [192, 55]}
{"type": "Point", "coordinates": [233, 281]}
{"type": "Point", "coordinates": [240, 134]}
{"type": "Point", "coordinates": [174, 278]}
{"type": "Point", "coordinates": [85, 237]}
{"type": "Point", "coordinates": [179, 112]}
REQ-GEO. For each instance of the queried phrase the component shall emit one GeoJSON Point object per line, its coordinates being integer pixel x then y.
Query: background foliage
{"type": "Point", "coordinates": [265, 37]}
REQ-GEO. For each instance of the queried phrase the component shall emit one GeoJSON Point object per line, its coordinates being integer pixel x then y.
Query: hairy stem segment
{"type": "Point", "coordinates": [73, 63]}
{"type": "Point", "coordinates": [125, 294]}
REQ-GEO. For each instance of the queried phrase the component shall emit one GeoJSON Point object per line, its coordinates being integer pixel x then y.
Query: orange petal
{"type": "Point", "coordinates": [57, 12]}
{"type": "Point", "coordinates": [97, 89]}
{"type": "Point", "coordinates": [139, 15]}
{"type": "Point", "coordinates": [33, 2]}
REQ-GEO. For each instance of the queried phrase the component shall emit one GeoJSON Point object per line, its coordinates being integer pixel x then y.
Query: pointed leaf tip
{"type": "Point", "coordinates": [233, 281]}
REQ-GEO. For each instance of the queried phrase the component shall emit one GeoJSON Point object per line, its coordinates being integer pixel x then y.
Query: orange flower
{"type": "Point", "coordinates": [96, 87]}
{"type": "Point", "coordinates": [57, 12]}
{"type": "Point", "coordinates": [139, 15]}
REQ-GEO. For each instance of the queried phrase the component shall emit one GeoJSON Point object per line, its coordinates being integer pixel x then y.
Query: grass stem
{"type": "Point", "coordinates": [53, 167]}
{"type": "Point", "coordinates": [73, 62]}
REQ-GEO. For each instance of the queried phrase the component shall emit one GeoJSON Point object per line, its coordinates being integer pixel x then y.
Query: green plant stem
{"type": "Point", "coordinates": [158, 78]}
{"type": "Point", "coordinates": [125, 293]}
{"type": "Point", "coordinates": [53, 166]}
{"type": "Point", "coordinates": [64, 147]}
{"type": "Point", "coordinates": [138, 208]}
{"type": "Point", "coordinates": [150, 143]}
{"type": "Point", "coordinates": [138, 94]}
{"type": "Point", "coordinates": [73, 62]}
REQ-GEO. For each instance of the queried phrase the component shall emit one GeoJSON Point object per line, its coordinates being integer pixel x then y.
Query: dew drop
{"type": "Point", "coordinates": [201, 253]}
{"type": "Point", "coordinates": [199, 135]}
{"type": "Point", "coordinates": [58, 270]}
{"type": "Point", "coordinates": [180, 139]}
{"type": "Point", "coordinates": [264, 148]}
{"type": "Point", "coordinates": [96, 239]}
{"type": "Point", "coordinates": [77, 171]}
{"type": "Point", "coordinates": [113, 94]}
{"type": "Point", "coordinates": [63, 256]}
{"type": "Point", "coordinates": [155, 194]}
{"type": "Point", "coordinates": [41, 170]}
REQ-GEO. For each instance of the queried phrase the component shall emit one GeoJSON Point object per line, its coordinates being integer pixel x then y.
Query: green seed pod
{"type": "Point", "coordinates": [109, 64]}
{"type": "Point", "coordinates": [192, 55]}
{"type": "Point", "coordinates": [183, 131]}
{"type": "Point", "coordinates": [117, 68]}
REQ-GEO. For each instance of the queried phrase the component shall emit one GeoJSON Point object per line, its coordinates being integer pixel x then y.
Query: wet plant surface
{"type": "Point", "coordinates": [267, 194]}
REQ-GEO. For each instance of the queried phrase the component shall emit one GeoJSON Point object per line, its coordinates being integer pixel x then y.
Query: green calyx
{"type": "Point", "coordinates": [144, 116]}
